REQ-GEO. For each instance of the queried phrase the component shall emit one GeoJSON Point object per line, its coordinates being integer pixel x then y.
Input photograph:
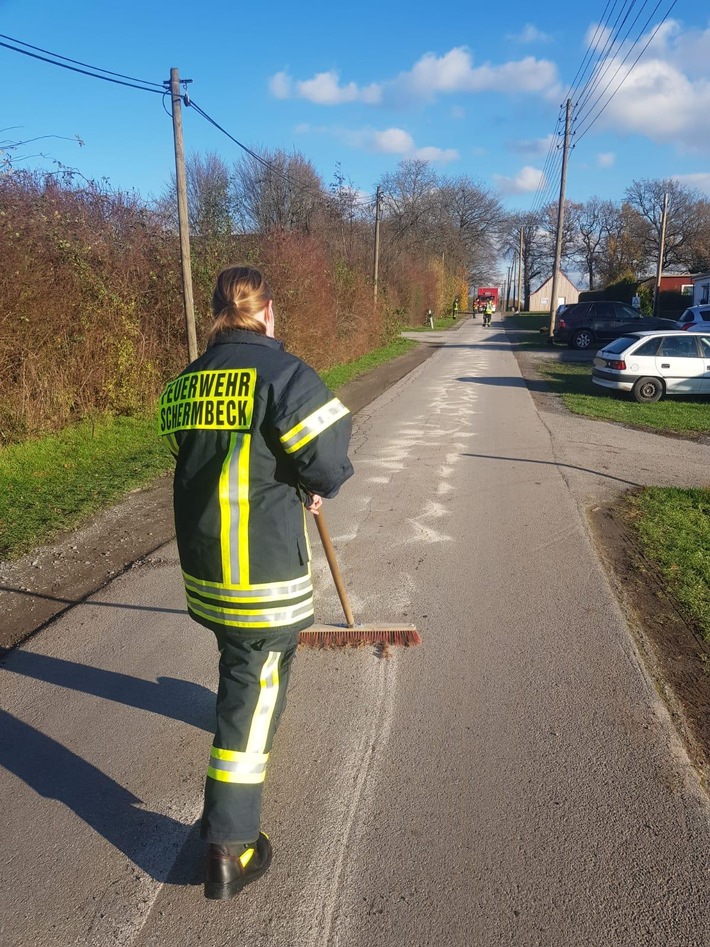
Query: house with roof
{"type": "Point", "coordinates": [567, 293]}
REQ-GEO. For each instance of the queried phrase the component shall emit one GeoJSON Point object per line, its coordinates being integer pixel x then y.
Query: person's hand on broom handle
{"type": "Point", "coordinates": [315, 503]}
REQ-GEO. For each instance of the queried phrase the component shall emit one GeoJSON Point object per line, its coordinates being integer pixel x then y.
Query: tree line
{"type": "Point", "coordinates": [92, 306]}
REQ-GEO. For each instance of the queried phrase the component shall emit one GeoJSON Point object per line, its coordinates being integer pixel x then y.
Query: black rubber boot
{"type": "Point", "coordinates": [227, 872]}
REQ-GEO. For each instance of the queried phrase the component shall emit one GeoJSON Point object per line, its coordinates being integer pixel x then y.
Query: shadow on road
{"type": "Point", "coordinates": [149, 839]}
{"type": "Point", "coordinates": [170, 697]}
{"type": "Point", "coordinates": [553, 463]}
{"type": "Point", "coordinates": [85, 601]}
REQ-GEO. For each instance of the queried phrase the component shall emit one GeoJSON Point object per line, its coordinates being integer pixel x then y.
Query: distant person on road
{"type": "Point", "coordinates": [256, 436]}
{"type": "Point", "coordinates": [488, 312]}
{"type": "Point", "coordinates": [455, 309]}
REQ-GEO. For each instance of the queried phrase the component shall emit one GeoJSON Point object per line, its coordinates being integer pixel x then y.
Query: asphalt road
{"type": "Point", "coordinates": [513, 781]}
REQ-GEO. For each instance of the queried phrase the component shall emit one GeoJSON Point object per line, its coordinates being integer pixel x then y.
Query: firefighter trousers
{"type": "Point", "coordinates": [253, 677]}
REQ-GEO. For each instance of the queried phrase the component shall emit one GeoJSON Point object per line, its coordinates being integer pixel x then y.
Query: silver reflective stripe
{"type": "Point", "coordinates": [265, 618]}
{"type": "Point", "coordinates": [265, 706]}
{"type": "Point", "coordinates": [314, 424]}
{"type": "Point", "coordinates": [266, 593]}
{"type": "Point", "coordinates": [255, 767]}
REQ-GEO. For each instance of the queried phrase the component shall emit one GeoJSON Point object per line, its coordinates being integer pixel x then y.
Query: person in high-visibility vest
{"type": "Point", "coordinates": [489, 310]}
{"type": "Point", "coordinates": [257, 437]}
{"type": "Point", "coordinates": [455, 309]}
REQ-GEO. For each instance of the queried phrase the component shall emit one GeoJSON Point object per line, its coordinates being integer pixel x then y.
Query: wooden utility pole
{"type": "Point", "coordinates": [560, 220]}
{"type": "Point", "coordinates": [376, 264]}
{"type": "Point", "coordinates": [520, 273]}
{"type": "Point", "coordinates": [661, 251]}
{"type": "Point", "coordinates": [183, 223]}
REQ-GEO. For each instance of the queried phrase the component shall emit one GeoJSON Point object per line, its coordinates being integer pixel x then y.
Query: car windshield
{"type": "Point", "coordinates": [619, 345]}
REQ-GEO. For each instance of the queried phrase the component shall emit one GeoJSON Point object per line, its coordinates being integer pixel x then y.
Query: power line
{"type": "Point", "coordinates": [86, 72]}
{"type": "Point", "coordinates": [633, 66]}
{"type": "Point", "coordinates": [76, 62]}
{"type": "Point", "coordinates": [266, 164]}
{"type": "Point", "coordinates": [589, 53]}
{"type": "Point", "coordinates": [612, 37]}
{"type": "Point", "coordinates": [596, 81]}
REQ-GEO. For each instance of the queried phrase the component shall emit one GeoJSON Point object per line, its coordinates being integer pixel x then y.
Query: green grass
{"type": "Point", "coordinates": [446, 322]}
{"type": "Point", "coordinates": [58, 481]}
{"type": "Point", "coordinates": [674, 528]}
{"type": "Point", "coordinates": [55, 482]}
{"type": "Point", "coordinates": [675, 415]}
{"type": "Point", "coordinates": [342, 374]}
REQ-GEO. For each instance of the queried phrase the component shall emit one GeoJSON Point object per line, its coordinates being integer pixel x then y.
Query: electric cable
{"type": "Point", "coordinates": [85, 72]}
{"type": "Point", "coordinates": [76, 61]}
{"type": "Point", "coordinates": [368, 202]}
{"type": "Point", "coordinates": [584, 131]}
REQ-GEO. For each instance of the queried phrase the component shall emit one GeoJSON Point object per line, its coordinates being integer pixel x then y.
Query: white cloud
{"type": "Point", "coordinates": [529, 34]}
{"type": "Point", "coordinates": [323, 89]}
{"type": "Point", "coordinates": [528, 179]}
{"type": "Point", "coordinates": [395, 141]}
{"type": "Point", "coordinates": [700, 180]}
{"type": "Point", "coordinates": [666, 97]}
{"type": "Point", "coordinates": [442, 155]}
{"type": "Point", "coordinates": [606, 159]}
{"type": "Point", "coordinates": [280, 85]}
{"type": "Point", "coordinates": [531, 146]}
{"type": "Point", "coordinates": [430, 77]}
{"type": "Point", "coordinates": [454, 72]}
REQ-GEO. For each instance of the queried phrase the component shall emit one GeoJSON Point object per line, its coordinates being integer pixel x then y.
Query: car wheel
{"type": "Point", "coordinates": [647, 390]}
{"type": "Point", "coordinates": [582, 339]}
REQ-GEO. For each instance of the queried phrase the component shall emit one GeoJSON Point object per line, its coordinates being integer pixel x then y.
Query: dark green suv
{"type": "Point", "coordinates": [581, 325]}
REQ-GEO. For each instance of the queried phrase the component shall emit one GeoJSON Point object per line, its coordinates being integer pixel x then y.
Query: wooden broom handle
{"type": "Point", "coordinates": [334, 570]}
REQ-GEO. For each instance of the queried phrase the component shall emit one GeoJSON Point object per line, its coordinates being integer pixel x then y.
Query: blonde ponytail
{"type": "Point", "coordinates": [240, 295]}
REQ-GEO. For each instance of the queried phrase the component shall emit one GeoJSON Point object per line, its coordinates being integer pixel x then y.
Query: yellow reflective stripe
{"type": "Point", "coordinates": [225, 511]}
{"type": "Point", "coordinates": [232, 766]}
{"type": "Point", "coordinates": [266, 704]}
{"type": "Point", "coordinates": [234, 509]}
{"type": "Point", "coordinates": [277, 592]}
{"type": "Point", "coordinates": [236, 756]}
{"type": "Point", "coordinates": [246, 857]}
{"type": "Point", "coordinates": [282, 589]}
{"type": "Point", "coordinates": [223, 777]}
{"type": "Point", "coordinates": [173, 445]}
{"type": "Point", "coordinates": [247, 618]}
{"type": "Point", "coordinates": [314, 424]}
{"type": "Point", "coordinates": [243, 499]}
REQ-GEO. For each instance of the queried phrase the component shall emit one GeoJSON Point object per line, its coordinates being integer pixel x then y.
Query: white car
{"type": "Point", "coordinates": [696, 317]}
{"type": "Point", "coordinates": [653, 364]}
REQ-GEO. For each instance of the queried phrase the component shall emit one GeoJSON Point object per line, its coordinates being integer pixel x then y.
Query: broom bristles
{"type": "Point", "coordinates": [338, 636]}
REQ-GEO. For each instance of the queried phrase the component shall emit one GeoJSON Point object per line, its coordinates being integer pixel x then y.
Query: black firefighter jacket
{"type": "Point", "coordinates": [251, 428]}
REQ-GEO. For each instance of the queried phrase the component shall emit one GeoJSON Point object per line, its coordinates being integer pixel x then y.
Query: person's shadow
{"type": "Point", "coordinates": [149, 839]}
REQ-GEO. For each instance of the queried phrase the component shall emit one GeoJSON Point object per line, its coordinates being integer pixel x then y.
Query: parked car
{"type": "Point", "coordinates": [581, 325]}
{"type": "Point", "coordinates": [653, 364]}
{"type": "Point", "coordinates": [696, 317]}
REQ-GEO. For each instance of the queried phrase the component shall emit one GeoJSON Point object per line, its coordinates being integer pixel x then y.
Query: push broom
{"type": "Point", "coordinates": [337, 636]}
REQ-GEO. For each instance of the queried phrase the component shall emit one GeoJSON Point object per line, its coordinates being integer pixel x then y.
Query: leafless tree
{"type": "Point", "coordinates": [687, 220]}
{"type": "Point", "coordinates": [277, 191]}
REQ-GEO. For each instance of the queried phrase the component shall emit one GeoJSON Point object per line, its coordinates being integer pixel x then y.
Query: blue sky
{"type": "Point", "coordinates": [476, 89]}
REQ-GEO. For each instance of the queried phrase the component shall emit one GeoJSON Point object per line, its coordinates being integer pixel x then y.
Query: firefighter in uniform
{"type": "Point", "coordinates": [258, 439]}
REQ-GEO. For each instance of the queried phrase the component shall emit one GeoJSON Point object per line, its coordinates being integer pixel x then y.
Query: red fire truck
{"type": "Point", "coordinates": [483, 295]}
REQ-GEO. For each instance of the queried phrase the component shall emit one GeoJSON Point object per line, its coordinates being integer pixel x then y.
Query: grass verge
{"type": "Point", "coordinates": [675, 415]}
{"type": "Point", "coordinates": [56, 482]}
{"type": "Point", "coordinates": [674, 528]}
{"type": "Point", "coordinates": [342, 374]}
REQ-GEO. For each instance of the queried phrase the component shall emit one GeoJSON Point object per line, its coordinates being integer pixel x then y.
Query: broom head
{"type": "Point", "coordinates": [342, 636]}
